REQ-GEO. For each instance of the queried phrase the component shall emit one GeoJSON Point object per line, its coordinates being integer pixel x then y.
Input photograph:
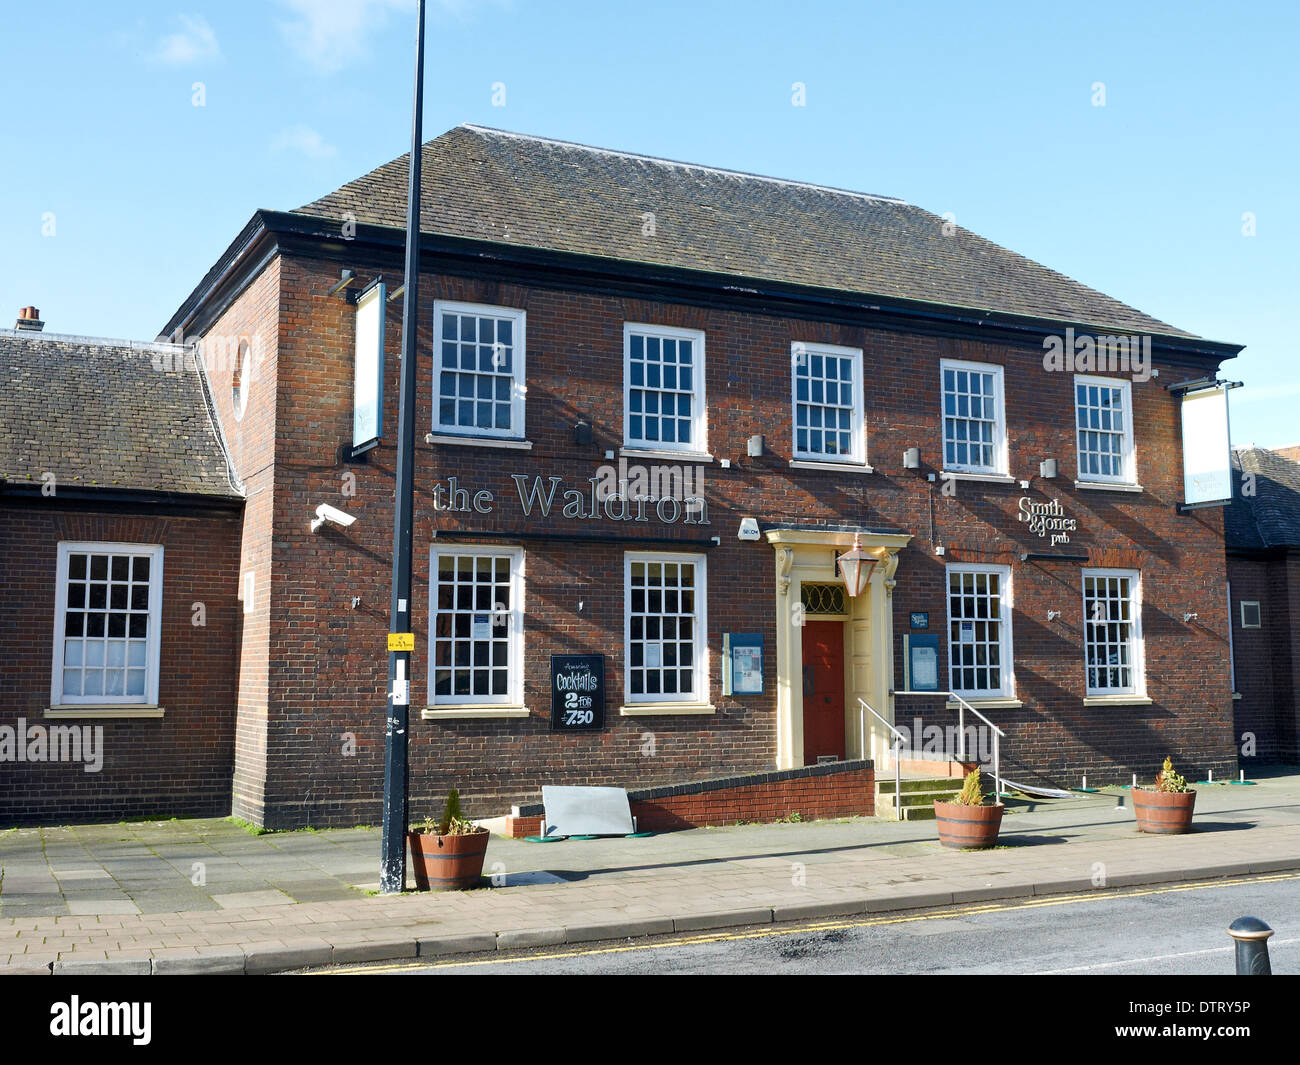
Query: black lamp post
{"type": "Point", "coordinates": [392, 870]}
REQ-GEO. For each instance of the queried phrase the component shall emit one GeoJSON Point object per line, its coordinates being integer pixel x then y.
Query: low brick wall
{"type": "Point", "coordinates": [815, 793]}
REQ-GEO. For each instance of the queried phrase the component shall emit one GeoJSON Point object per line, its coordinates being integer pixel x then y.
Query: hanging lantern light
{"type": "Point", "coordinates": [856, 567]}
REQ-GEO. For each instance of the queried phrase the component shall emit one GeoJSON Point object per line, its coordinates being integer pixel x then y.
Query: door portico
{"type": "Point", "coordinates": [807, 555]}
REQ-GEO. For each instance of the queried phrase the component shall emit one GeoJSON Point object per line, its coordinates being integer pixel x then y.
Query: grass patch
{"type": "Point", "coordinates": [249, 827]}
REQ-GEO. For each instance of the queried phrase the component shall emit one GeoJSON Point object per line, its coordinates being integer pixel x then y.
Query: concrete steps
{"type": "Point", "coordinates": [916, 796]}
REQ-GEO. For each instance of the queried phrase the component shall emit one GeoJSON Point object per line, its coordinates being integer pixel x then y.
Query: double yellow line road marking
{"type": "Point", "coordinates": [724, 936]}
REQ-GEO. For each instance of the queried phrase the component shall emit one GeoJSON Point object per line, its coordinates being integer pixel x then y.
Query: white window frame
{"type": "Point", "coordinates": [857, 422]}
{"type": "Point", "coordinates": [518, 387]}
{"type": "Point", "coordinates": [1137, 647]}
{"type": "Point", "coordinates": [1005, 652]}
{"type": "Point", "coordinates": [698, 444]}
{"type": "Point", "coordinates": [153, 644]}
{"type": "Point", "coordinates": [1259, 613]}
{"type": "Point", "coordinates": [1128, 475]}
{"type": "Point", "coordinates": [514, 695]}
{"type": "Point", "coordinates": [700, 667]}
{"type": "Point", "coordinates": [999, 466]}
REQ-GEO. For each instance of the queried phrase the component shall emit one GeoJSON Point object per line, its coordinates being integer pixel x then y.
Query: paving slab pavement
{"type": "Point", "coordinates": [206, 896]}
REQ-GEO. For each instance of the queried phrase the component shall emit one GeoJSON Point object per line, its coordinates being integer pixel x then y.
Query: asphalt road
{"type": "Point", "coordinates": [1164, 929]}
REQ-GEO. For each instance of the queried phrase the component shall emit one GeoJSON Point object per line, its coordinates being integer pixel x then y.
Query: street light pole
{"type": "Point", "coordinates": [392, 871]}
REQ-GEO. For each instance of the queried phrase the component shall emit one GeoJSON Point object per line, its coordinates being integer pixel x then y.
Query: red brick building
{"type": "Point", "coordinates": [119, 530]}
{"type": "Point", "coordinates": [656, 402]}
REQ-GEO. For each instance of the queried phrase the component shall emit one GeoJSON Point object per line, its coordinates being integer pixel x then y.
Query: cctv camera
{"type": "Point", "coordinates": [326, 513]}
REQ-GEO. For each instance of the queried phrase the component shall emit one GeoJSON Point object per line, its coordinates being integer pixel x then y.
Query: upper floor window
{"type": "Point", "coordinates": [828, 399]}
{"type": "Point", "coordinates": [1112, 632]}
{"type": "Point", "coordinates": [1103, 417]}
{"type": "Point", "coordinates": [979, 630]}
{"type": "Point", "coordinates": [478, 370]}
{"type": "Point", "coordinates": [663, 387]}
{"type": "Point", "coordinates": [974, 422]}
{"type": "Point", "coordinates": [107, 621]}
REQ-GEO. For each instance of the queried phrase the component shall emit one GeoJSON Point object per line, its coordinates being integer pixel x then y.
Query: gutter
{"type": "Point", "coordinates": [120, 499]}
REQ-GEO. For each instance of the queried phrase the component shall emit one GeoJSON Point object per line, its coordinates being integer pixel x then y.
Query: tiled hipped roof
{"type": "Point", "coordinates": [1270, 517]}
{"type": "Point", "coordinates": [529, 191]}
{"type": "Point", "coordinates": [105, 414]}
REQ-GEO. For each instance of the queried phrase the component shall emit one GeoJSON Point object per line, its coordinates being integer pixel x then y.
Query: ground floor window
{"type": "Point", "coordinates": [107, 623]}
{"type": "Point", "coordinates": [476, 632]}
{"type": "Point", "coordinates": [665, 637]}
{"type": "Point", "coordinates": [979, 630]}
{"type": "Point", "coordinates": [1112, 631]}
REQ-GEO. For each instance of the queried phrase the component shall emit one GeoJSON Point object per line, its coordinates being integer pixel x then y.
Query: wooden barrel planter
{"type": "Point", "coordinates": [1165, 813]}
{"type": "Point", "coordinates": [968, 827]}
{"type": "Point", "coordinates": [448, 863]}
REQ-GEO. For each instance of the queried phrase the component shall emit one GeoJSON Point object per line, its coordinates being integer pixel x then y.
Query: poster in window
{"type": "Point", "coordinates": [744, 653]}
{"type": "Point", "coordinates": [577, 693]}
{"type": "Point", "coordinates": [923, 663]}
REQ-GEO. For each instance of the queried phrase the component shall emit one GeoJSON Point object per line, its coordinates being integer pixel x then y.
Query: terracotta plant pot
{"type": "Point", "coordinates": [1163, 812]}
{"type": "Point", "coordinates": [968, 827]}
{"type": "Point", "coordinates": [447, 863]}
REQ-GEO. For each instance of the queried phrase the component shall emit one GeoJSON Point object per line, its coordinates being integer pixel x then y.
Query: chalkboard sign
{"type": "Point", "coordinates": [577, 693]}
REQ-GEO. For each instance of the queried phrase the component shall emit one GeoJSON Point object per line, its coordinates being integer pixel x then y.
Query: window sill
{"type": "Point", "coordinates": [87, 710]}
{"type": "Point", "coordinates": [993, 702]}
{"type": "Point", "coordinates": [1105, 486]}
{"type": "Point", "coordinates": [1116, 700]}
{"type": "Point", "coordinates": [991, 478]}
{"type": "Point", "coordinates": [472, 712]}
{"type": "Point", "coordinates": [839, 467]}
{"type": "Point", "coordinates": [664, 709]}
{"type": "Point", "coordinates": [665, 453]}
{"type": "Point", "coordinates": [478, 441]}
{"type": "Point", "coordinates": [1236, 695]}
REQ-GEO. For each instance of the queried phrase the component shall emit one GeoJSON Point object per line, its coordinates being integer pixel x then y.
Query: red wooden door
{"type": "Point", "coordinates": [823, 690]}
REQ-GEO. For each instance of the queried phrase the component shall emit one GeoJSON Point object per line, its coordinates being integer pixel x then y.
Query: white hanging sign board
{"type": "Point", "coordinates": [368, 368]}
{"type": "Point", "coordinates": [1207, 465]}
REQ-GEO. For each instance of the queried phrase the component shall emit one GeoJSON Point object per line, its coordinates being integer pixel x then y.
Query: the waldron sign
{"type": "Point", "coordinates": [1047, 520]}
{"type": "Point", "coordinates": [669, 498]}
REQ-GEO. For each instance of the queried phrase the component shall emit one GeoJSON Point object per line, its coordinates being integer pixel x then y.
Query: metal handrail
{"type": "Point", "coordinates": [898, 739]}
{"type": "Point", "coordinates": [998, 734]}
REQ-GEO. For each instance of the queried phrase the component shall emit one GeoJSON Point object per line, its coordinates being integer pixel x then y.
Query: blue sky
{"type": "Point", "coordinates": [983, 110]}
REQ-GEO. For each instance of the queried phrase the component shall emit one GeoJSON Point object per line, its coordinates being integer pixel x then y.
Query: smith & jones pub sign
{"type": "Point", "coordinates": [577, 693]}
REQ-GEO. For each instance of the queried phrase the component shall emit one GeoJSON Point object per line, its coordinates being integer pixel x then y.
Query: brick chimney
{"type": "Point", "coordinates": [29, 318]}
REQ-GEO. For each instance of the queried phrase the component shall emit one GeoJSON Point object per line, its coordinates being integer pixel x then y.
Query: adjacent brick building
{"type": "Point", "coordinates": [1263, 542]}
{"type": "Point", "coordinates": [119, 530]}
{"type": "Point", "coordinates": [791, 368]}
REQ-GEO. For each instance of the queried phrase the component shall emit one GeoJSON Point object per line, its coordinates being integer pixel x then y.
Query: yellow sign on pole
{"type": "Point", "coordinates": [401, 641]}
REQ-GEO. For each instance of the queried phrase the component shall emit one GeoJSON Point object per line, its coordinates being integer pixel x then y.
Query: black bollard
{"type": "Point", "coordinates": [1251, 935]}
